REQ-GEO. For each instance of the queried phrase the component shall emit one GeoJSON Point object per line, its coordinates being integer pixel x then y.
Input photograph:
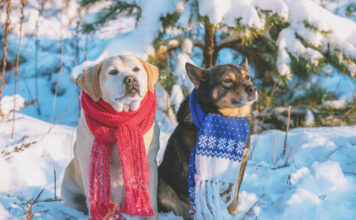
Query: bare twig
{"type": "Point", "coordinates": [232, 208]}
{"type": "Point", "coordinates": [40, 10]}
{"type": "Point", "coordinates": [29, 213]}
{"type": "Point", "coordinates": [60, 70]}
{"type": "Point", "coordinates": [113, 213]}
{"type": "Point", "coordinates": [85, 49]}
{"type": "Point", "coordinates": [250, 212]}
{"type": "Point", "coordinates": [287, 159]}
{"type": "Point", "coordinates": [331, 153]}
{"type": "Point", "coordinates": [289, 153]}
{"type": "Point", "coordinates": [38, 196]}
{"type": "Point", "coordinates": [23, 4]}
{"type": "Point", "coordinates": [264, 113]}
{"type": "Point", "coordinates": [55, 183]}
{"type": "Point", "coordinates": [274, 152]}
{"type": "Point", "coordinates": [350, 173]}
{"type": "Point", "coordinates": [60, 117]}
{"type": "Point", "coordinates": [285, 139]}
{"type": "Point", "coordinates": [6, 29]}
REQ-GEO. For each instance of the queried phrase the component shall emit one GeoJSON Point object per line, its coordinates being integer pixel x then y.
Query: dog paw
{"type": "Point", "coordinates": [134, 105]}
{"type": "Point", "coordinates": [119, 107]}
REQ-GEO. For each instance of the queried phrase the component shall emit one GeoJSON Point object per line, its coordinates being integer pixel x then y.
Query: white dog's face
{"type": "Point", "coordinates": [123, 82]}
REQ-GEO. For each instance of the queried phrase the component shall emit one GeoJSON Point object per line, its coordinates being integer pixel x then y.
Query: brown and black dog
{"type": "Point", "coordinates": [218, 89]}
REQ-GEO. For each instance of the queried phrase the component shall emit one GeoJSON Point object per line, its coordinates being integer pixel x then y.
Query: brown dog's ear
{"type": "Point", "coordinates": [152, 74]}
{"type": "Point", "coordinates": [89, 82]}
{"type": "Point", "coordinates": [196, 74]}
{"type": "Point", "coordinates": [244, 64]}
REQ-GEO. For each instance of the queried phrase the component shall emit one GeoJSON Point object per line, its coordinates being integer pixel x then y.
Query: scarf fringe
{"type": "Point", "coordinates": [139, 206]}
{"type": "Point", "coordinates": [209, 204]}
{"type": "Point", "coordinates": [215, 161]}
{"type": "Point", "coordinates": [101, 211]}
{"type": "Point", "coordinates": [126, 130]}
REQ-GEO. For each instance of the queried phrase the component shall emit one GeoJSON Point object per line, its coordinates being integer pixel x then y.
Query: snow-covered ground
{"type": "Point", "coordinates": [32, 161]}
{"type": "Point", "coordinates": [317, 181]}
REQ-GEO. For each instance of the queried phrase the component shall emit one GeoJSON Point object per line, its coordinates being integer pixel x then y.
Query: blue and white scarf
{"type": "Point", "coordinates": [215, 161]}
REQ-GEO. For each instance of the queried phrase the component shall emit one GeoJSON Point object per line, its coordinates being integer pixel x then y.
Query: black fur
{"type": "Point", "coordinates": [173, 172]}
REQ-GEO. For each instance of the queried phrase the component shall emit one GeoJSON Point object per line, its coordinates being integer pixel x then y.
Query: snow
{"type": "Point", "coordinates": [177, 97]}
{"type": "Point", "coordinates": [297, 13]}
{"type": "Point", "coordinates": [335, 104]}
{"type": "Point", "coordinates": [52, 25]}
{"type": "Point", "coordinates": [319, 173]}
{"type": "Point", "coordinates": [27, 163]}
{"type": "Point", "coordinates": [278, 7]}
{"type": "Point", "coordinates": [318, 181]}
{"type": "Point", "coordinates": [144, 33]}
{"type": "Point", "coordinates": [341, 35]}
{"type": "Point", "coordinates": [318, 178]}
{"type": "Point", "coordinates": [7, 104]}
{"type": "Point", "coordinates": [183, 80]}
{"type": "Point", "coordinates": [303, 196]}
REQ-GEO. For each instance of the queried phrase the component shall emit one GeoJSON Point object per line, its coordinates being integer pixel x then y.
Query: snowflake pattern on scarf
{"type": "Point", "coordinates": [219, 137]}
{"type": "Point", "coordinates": [218, 151]}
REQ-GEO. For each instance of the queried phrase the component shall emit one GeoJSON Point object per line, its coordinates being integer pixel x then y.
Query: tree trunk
{"type": "Point", "coordinates": [210, 53]}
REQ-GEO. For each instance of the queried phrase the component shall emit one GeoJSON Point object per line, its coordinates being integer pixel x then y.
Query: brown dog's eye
{"type": "Point", "coordinates": [247, 77]}
{"type": "Point", "coordinates": [228, 81]}
{"type": "Point", "coordinates": [113, 72]}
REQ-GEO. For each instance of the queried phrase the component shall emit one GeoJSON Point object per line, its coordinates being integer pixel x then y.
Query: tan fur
{"type": "Point", "coordinates": [89, 82]}
{"type": "Point", "coordinates": [245, 64]}
{"type": "Point", "coordinates": [76, 177]}
{"type": "Point", "coordinates": [152, 73]}
{"type": "Point", "coordinates": [242, 111]}
{"type": "Point", "coordinates": [232, 77]}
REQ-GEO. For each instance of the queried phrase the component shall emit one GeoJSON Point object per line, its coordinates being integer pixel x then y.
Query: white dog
{"type": "Point", "coordinates": [122, 82]}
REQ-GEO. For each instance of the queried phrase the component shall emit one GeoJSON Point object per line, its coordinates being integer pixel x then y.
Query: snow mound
{"type": "Point", "coordinates": [7, 104]}
{"type": "Point", "coordinates": [316, 180]}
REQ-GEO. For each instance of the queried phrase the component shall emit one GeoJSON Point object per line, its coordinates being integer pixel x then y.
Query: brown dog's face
{"type": "Point", "coordinates": [223, 86]}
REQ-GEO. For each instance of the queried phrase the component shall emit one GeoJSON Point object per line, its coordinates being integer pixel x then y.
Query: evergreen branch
{"type": "Point", "coordinates": [111, 13]}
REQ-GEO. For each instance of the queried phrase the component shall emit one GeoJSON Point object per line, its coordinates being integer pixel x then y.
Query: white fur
{"type": "Point", "coordinates": [76, 177]}
{"type": "Point", "coordinates": [113, 86]}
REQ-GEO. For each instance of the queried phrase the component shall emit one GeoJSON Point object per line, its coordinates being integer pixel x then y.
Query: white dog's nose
{"type": "Point", "coordinates": [130, 80]}
{"type": "Point", "coordinates": [132, 85]}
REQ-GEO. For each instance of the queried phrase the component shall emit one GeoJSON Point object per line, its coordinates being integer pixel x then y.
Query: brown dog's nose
{"type": "Point", "coordinates": [130, 80]}
{"type": "Point", "coordinates": [250, 89]}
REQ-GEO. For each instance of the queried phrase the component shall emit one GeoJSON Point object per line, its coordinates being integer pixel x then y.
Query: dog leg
{"type": "Point", "coordinates": [71, 193]}
{"type": "Point", "coordinates": [152, 186]}
{"type": "Point", "coordinates": [152, 165]}
{"type": "Point", "coordinates": [168, 201]}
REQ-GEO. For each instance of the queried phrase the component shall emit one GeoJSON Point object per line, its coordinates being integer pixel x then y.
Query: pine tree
{"type": "Point", "coordinates": [289, 44]}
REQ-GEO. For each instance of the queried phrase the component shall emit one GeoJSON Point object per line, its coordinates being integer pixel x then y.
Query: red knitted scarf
{"type": "Point", "coordinates": [126, 130]}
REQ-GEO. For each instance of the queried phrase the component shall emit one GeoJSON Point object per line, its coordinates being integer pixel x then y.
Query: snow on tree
{"type": "Point", "coordinates": [289, 44]}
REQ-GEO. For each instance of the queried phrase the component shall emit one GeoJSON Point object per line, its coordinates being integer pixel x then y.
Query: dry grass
{"type": "Point", "coordinates": [29, 213]}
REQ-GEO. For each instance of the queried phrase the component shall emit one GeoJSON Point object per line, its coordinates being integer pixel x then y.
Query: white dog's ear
{"type": "Point", "coordinates": [89, 82]}
{"type": "Point", "coordinates": [152, 74]}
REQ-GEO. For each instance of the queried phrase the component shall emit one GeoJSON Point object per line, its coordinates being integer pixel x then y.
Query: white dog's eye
{"type": "Point", "coordinates": [113, 72]}
{"type": "Point", "coordinates": [136, 69]}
